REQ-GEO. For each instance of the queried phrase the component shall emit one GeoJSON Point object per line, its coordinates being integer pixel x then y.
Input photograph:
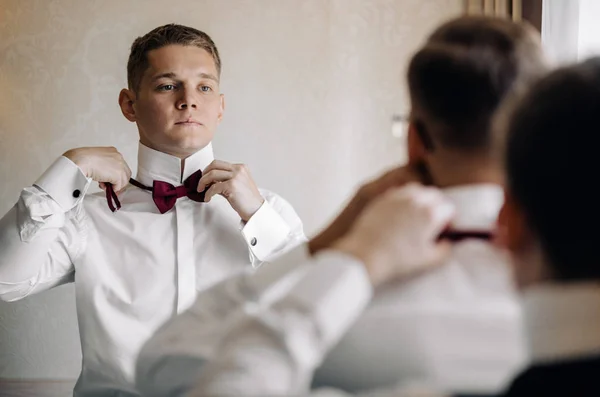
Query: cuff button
{"type": "Point", "coordinates": [76, 193]}
{"type": "Point", "coordinates": [253, 241]}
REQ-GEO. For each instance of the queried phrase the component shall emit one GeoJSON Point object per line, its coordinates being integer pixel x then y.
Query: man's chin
{"type": "Point", "coordinates": [179, 144]}
{"type": "Point", "coordinates": [188, 147]}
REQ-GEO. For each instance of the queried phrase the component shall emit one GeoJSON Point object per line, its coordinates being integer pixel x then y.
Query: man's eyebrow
{"type": "Point", "coordinates": [171, 75]}
{"type": "Point", "coordinates": [209, 76]}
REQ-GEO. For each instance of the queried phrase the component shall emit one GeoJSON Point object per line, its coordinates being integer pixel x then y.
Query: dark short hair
{"type": "Point", "coordinates": [553, 138]}
{"type": "Point", "coordinates": [465, 70]}
{"type": "Point", "coordinates": [161, 37]}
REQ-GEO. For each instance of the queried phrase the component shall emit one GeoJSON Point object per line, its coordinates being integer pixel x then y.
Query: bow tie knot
{"type": "Point", "coordinates": [181, 191]}
{"type": "Point", "coordinates": [165, 194]}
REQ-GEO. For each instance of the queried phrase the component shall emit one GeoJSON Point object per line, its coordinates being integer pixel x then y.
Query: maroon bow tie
{"type": "Point", "coordinates": [164, 194]}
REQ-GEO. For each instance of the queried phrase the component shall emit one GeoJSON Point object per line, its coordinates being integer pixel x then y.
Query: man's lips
{"type": "Point", "coordinates": [188, 122]}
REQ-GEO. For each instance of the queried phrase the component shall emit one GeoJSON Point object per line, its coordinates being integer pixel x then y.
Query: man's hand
{"type": "Point", "coordinates": [396, 177]}
{"type": "Point", "coordinates": [102, 164]}
{"type": "Point", "coordinates": [397, 234]}
{"type": "Point", "coordinates": [234, 182]}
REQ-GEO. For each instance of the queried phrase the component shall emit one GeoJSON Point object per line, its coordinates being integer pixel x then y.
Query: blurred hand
{"type": "Point", "coordinates": [396, 177]}
{"type": "Point", "coordinates": [102, 164]}
{"type": "Point", "coordinates": [234, 182]}
{"type": "Point", "coordinates": [397, 234]}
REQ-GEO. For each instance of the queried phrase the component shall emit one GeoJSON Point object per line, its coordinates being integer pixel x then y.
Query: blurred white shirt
{"type": "Point", "coordinates": [136, 268]}
{"type": "Point", "coordinates": [457, 328]}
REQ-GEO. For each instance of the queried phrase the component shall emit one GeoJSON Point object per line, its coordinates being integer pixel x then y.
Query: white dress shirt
{"type": "Point", "coordinates": [136, 268]}
{"type": "Point", "coordinates": [456, 328]}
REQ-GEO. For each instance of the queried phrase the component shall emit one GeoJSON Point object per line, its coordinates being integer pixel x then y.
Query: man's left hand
{"type": "Point", "coordinates": [234, 182]}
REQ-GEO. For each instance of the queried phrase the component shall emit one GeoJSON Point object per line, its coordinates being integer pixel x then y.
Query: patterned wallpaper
{"type": "Point", "coordinates": [311, 87]}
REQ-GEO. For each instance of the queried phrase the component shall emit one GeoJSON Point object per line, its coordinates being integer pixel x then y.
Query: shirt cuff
{"type": "Point", "coordinates": [334, 292]}
{"type": "Point", "coordinates": [265, 231]}
{"type": "Point", "coordinates": [273, 279]}
{"type": "Point", "coordinates": [65, 183]}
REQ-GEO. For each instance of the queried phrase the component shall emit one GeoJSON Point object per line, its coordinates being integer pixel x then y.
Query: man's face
{"type": "Point", "coordinates": [178, 105]}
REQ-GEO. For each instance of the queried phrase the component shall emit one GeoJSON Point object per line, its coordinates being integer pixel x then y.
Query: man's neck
{"type": "Point", "coordinates": [451, 169]}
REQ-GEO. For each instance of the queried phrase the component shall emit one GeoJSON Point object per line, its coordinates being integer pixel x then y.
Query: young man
{"type": "Point", "coordinates": [458, 327]}
{"type": "Point", "coordinates": [550, 233]}
{"type": "Point", "coordinates": [188, 221]}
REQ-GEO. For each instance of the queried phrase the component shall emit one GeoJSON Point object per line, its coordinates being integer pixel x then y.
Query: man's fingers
{"type": "Point", "coordinates": [441, 212]}
{"type": "Point", "coordinates": [398, 177]}
{"type": "Point", "coordinates": [395, 178]}
{"type": "Point", "coordinates": [123, 184]}
{"type": "Point", "coordinates": [436, 211]}
{"type": "Point", "coordinates": [127, 172]}
{"type": "Point", "coordinates": [401, 175]}
{"type": "Point", "coordinates": [218, 165]}
{"type": "Point", "coordinates": [214, 176]}
{"type": "Point", "coordinates": [440, 253]}
{"type": "Point", "coordinates": [217, 188]}
{"type": "Point", "coordinates": [118, 186]}
{"type": "Point", "coordinates": [413, 190]}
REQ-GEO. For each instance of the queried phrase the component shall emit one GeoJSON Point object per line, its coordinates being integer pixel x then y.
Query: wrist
{"type": "Point", "coordinates": [366, 253]}
{"type": "Point", "coordinates": [76, 157]}
{"type": "Point", "coordinates": [317, 243]}
{"type": "Point", "coordinates": [246, 216]}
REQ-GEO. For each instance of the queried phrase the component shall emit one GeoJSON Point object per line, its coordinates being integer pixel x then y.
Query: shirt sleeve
{"type": "Point", "coordinates": [212, 348]}
{"type": "Point", "coordinates": [274, 349]}
{"type": "Point", "coordinates": [399, 391]}
{"type": "Point", "coordinates": [273, 230]}
{"type": "Point", "coordinates": [64, 183]}
{"type": "Point", "coordinates": [42, 233]}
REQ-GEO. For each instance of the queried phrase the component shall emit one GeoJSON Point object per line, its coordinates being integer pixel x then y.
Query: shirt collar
{"type": "Point", "coordinates": [154, 165]}
{"type": "Point", "coordinates": [477, 206]}
{"type": "Point", "coordinates": [562, 321]}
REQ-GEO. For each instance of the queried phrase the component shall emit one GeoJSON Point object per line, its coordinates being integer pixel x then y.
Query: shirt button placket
{"type": "Point", "coordinates": [186, 270]}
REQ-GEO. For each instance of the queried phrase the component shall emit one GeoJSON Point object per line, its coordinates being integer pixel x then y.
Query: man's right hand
{"type": "Point", "coordinates": [394, 178]}
{"type": "Point", "coordinates": [102, 164]}
{"type": "Point", "coordinates": [397, 234]}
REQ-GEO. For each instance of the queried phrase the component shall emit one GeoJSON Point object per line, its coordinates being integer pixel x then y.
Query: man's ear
{"type": "Point", "coordinates": [221, 108]}
{"type": "Point", "coordinates": [514, 233]}
{"type": "Point", "coordinates": [417, 150]}
{"type": "Point", "coordinates": [126, 101]}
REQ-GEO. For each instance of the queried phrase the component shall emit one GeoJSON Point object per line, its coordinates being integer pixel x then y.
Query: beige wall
{"type": "Point", "coordinates": [311, 86]}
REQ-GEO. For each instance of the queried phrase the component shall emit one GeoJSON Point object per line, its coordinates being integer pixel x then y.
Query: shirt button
{"type": "Point", "coordinates": [253, 241]}
{"type": "Point", "coordinates": [76, 193]}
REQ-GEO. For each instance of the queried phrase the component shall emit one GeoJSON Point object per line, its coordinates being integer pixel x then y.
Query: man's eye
{"type": "Point", "coordinates": [206, 88]}
{"type": "Point", "coordinates": [166, 87]}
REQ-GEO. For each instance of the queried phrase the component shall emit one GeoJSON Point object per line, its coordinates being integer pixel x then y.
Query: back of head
{"type": "Point", "coordinates": [551, 159]}
{"type": "Point", "coordinates": [466, 69]}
